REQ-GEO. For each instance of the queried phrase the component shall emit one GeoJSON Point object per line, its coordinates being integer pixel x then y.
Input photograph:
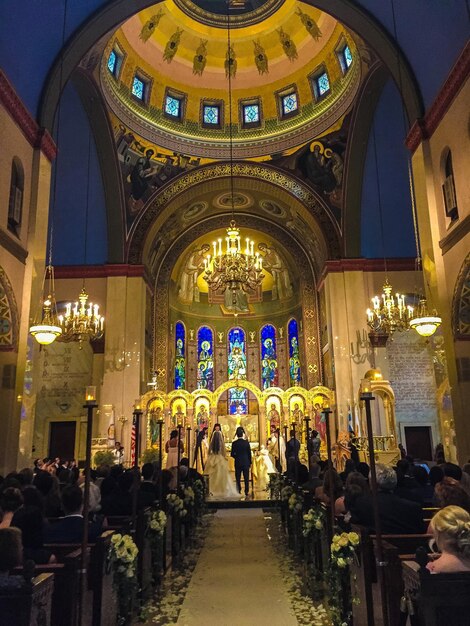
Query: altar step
{"type": "Point", "coordinates": [241, 504]}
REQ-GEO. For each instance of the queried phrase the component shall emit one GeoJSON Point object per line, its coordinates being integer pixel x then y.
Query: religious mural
{"type": "Point", "coordinates": [269, 369]}
{"type": "Point", "coordinates": [205, 365]}
{"type": "Point", "coordinates": [180, 360]}
{"type": "Point", "coordinates": [294, 357]}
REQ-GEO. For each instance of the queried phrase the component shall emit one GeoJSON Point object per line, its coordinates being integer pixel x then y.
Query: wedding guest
{"type": "Point", "coordinates": [292, 446]}
{"type": "Point", "coordinates": [343, 503]}
{"type": "Point", "coordinates": [451, 530]}
{"type": "Point", "coordinates": [48, 485]}
{"type": "Point", "coordinates": [449, 492]}
{"type": "Point", "coordinates": [10, 501]}
{"type": "Point", "coordinates": [119, 501]}
{"type": "Point", "coordinates": [69, 529]}
{"type": "Point", "coordinates": [323, 493]}
{"type": "Point", "coordinates": [171, 448]}
{"type": "Point", "coordinates": [147, 489]}
{"type": "Point", "coordinates": [11, 555]}
{"type": "Point", "coordinates": [30, 520]}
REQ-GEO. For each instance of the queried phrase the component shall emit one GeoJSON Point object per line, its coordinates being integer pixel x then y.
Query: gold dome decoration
{"type": "Point", "coordinates": [373, 374]}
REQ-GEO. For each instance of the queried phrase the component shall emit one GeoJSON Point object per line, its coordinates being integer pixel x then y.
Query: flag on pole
{"type": "Point", "coordinates": [350, 420]}
{"type": "Point", "coordinates": [133, 438]}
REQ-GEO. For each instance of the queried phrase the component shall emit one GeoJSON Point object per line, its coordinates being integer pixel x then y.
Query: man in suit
{"type": "Point", "coordinates": [241, 452]}
{"type": "Point", "coordinates": [292, 447]}
{"type": "Point", "coordinates": [69, 529]}
{"type": "Point", "coordinates": [397, 515]}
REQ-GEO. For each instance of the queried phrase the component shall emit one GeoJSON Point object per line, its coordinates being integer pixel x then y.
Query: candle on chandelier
{"type": "Point", "coordinates": [252, 244]}
{"type": "Point", "coordinates": [220, 247]}
{"type": "Point", "coordinates": [247, 250]}
{"type": "Point", "coordinates": [96, 310]}
{"type": "Point", "coordinates": [214, 245]}
{"type": "Point", "coordinates": [238, 242]}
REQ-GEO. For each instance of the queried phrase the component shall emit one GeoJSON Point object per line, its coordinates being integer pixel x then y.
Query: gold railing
{"type": "Point", "coordinates": [381, 443]}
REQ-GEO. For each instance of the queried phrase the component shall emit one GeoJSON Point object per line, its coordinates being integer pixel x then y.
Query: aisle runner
{"type": "Point", "coordinates": [237, 580]}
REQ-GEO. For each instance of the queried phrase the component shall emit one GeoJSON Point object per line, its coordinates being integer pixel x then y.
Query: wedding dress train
{"type": "Point", "coordinates": [221, 484]}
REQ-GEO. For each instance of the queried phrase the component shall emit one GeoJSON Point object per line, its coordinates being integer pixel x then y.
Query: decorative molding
{"type": "Point", "coordinates": [258, 171]}
{"type": "Point", "coordinates": [98, 271]}
{"type": "Point", "coordinates": [13, 246]}
{"type": "Point", "coordinates": [424, 129]}
{"type": "Point", "coordinates": [457, 233]}
{"type": "Point", "coordinates": [37, 137]}
{"type": "Point", "coordinates": [334, 266]}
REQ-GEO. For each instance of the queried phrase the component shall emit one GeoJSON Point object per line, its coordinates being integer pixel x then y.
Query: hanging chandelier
{"type": "Point", "coordinates": [46, 327]}
{"type": "Point", "coordinates": [424, 323]}
{"type": "Point", "coordinates": [389, 313]}
{"type": "Point", "coordinates": [81, 321]}
{"type": "Point", "coordinates": [233, 269]}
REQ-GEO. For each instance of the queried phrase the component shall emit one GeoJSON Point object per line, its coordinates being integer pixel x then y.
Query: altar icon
{"type": "Point", "coordinates": [154, 415]}
{"type": "Point", "coordinates": [178, 410]}
{"type": "Point", "coordinates": [297, 408]}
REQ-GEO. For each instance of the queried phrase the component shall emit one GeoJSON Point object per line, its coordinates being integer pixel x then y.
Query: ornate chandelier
{"type": "Point", "coordinates": [81, 321]}
{"type": "Point", "coordinates": [233, 270]}
{"type": "Point", "coordinates": [389, 313]}
{"type": "Point", "coordinates": [424, 323]}
{"type": "Point", "coordinates": [46, 328]}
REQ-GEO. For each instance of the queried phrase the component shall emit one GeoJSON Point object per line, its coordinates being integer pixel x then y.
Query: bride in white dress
{"type": "Point", "coordinates": [221, 484]}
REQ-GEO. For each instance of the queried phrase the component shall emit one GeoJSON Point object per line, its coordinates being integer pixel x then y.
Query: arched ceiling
{"type": "Point", "coordinates": [176, 47]}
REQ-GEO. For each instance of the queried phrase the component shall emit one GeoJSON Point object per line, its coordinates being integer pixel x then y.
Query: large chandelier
{"type": "Point", "coordinates": [46, 328]}
{"type": "Point", "coordinates": [82, 320]}
{"type": "Point", "coordinates": [233, 269]}
{"type": "Point", "coordinates": [389, 313]}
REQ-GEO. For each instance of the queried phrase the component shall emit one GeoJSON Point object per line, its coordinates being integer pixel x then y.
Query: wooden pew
{"type": "Point", "coordinates": [29, 604]}
{"type": "Point", "coordinates": [440, 599]}
{"type": "Point", "coordinates": [103, 602]}
{"type": "Point", "coordinates": [65, 597]}
{"type": "Point", "coordinates": [364, 576]}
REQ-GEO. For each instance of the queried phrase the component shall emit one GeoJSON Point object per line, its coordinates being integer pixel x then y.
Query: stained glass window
{"type": "Point", "coordinates": [238, 398]}
{"type": "Point", "coordinates": [323, 84]}
{"type": "Point", "coordinates": [289, 103]}
{"type": "Point", "coordinates": [138, 88]}
{"type": "Point", "coordinates": [173, 106]}
{"type": "Point", "coordinates": [211, 114]}
{"type": "Point", "coordinates": [294, 357]}
{"type": "Point", "coordinates": [205, 363]}
{"type": "Point", "coordinates": [269, 369]}
{"type": "Point", "coordinates": [251, 113]}
{"type": "Point", "coordinates": [180, 361]}
{"type": "Point", "coordinates": [347, 56]}
{"type": "Point", "coordinates": [112, 59]}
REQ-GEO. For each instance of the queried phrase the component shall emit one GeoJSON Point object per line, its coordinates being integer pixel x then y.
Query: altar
{"type": "Point", "coordinates": [249, 423]}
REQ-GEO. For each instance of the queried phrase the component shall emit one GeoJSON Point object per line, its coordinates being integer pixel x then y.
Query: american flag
{"type": "Point", "coordinates": [133, 438]}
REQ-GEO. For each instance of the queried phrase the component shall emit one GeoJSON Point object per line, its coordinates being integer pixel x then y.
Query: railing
{"type": "Point", "coordinates": [381, 443]}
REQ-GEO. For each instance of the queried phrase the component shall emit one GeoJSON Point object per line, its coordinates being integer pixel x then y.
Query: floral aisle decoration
{"type": "Point", "coordinates": [123, 562]}
{"type": "Point", "coordinates": [199, 496]}
{"type": "Point", "coordinates": [343, 553]}
{"type": "Point", "coordinates": [175, 505]}
{"type": "Point", "coordinates": [314, 524]}
{"type": "Point", "coordinates": [286, 493]}
{"type": "Point", "coordinates": [275, 486]}
{"type": "Point", "coordinates": [156, 533]}
{"type": "Point", "coordinates": [188, 500]}
{"type": "Point", "coordinates": [294, 524]}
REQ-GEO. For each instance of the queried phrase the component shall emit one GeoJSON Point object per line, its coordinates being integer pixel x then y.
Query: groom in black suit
{"type": "Point", "coordinates": [241, 452]}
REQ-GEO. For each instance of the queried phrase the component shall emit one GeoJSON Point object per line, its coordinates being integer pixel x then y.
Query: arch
{"type": "Point", "coordinates": [95, 109]}
{"type": "Point", "coordinates": [8, 315]}
{"type": "Point", "coordinates": [109, 17]}
{"type": "Point", "coordinates": [461, 303]}
{"type": "Point", "coordinates": [15, 200]}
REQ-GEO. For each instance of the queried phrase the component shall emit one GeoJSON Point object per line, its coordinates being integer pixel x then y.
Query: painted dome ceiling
{"type": "Point", "coordinates": [179, 51]}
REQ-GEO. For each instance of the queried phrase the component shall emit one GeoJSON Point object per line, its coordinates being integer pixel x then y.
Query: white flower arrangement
{"type": "Point", "coordinates": [296, 503]}
{"type": "Point", "coordinates": [189, 496]}
{"type": "Point", "coordinates": [314, 521]}
{"type": "Point", "coordinates": [124, 554]}
{"type": "Point", "coordinates": [157, 523]}
{"type": "Point", "coordinates": [343, 549]}
{"type": "Point", "coordinates": [176, 505]}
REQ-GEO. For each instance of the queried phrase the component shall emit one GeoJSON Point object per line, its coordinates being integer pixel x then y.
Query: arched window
{"type": "Point", "coordinates": [15, 203]}
{"type": "Point", "coordinates": [269, 369]}
{"type": "Point", "coordinates": [238, 397]}
{"type": "Point", "coordinates": [205, 359]}
{"type": "Point", "coordinates": [180, 360]}
{"type": "Point", "coordinates": [294, 357]}
{"type": "Point", "coordinates": [448, 189]}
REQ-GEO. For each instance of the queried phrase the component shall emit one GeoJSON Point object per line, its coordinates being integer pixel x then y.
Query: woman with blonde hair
{"type": "Point", "coordinates": [451, 530]}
